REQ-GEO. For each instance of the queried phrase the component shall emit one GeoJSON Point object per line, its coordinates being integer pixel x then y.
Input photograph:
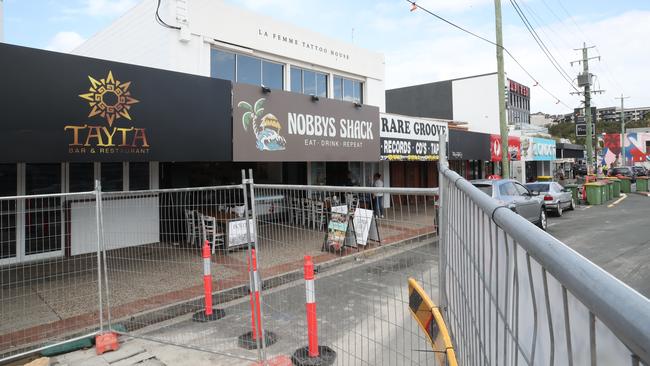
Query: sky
{"type": "Point", "coordinates": [419, 48]}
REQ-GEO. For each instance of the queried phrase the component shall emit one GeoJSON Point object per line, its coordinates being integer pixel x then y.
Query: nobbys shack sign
{"type": "Point", "coordinates": [410, 138]}
{"type": "Point", "coordinates": [284, 126]}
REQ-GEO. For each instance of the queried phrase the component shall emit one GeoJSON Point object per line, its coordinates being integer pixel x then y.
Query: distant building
{"type": "Point", "coordinates": [471, 99]}
{"type": "Point", "coordinates": [541, 119]}
{"type": "Point", "coordinates": [611, 114]}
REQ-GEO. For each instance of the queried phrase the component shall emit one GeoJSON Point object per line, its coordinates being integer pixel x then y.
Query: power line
{"type": "Point", "coordinates": [537, 83]}
{"type": "Point", "coordinates": [162, 22]}
{"type": "Point", "coordinates": [542, 45]}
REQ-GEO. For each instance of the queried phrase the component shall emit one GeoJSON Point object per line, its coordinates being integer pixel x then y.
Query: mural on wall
{"type": "Point", "coordinates": [635, 148]}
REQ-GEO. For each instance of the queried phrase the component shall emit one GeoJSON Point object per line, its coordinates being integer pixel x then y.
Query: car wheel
{"type": "Point", "coordinates": [542, 219]}
{"type": "Point", "coordinates": [572, 205]}
{"type": "Point", "coordinates": [559, 211]}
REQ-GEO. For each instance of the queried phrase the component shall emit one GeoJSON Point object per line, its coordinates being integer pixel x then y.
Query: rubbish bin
{"type": "Point", "coordinates": [574, 191]}
{"type": "Point", "coordinates": [616, 185]}
{"type": "Point", "coordinates": [608, 188]}
{"type": "Point", "coordinates": [594, 193]}
{"type": "Point", "coordinates": [544, 178]}
{"type": "Point", "coordinates": [604, 192]}
{"type": "Point", "coordinates": [642, 184]}
{"type": "Point", "coordinates": [626, 184]}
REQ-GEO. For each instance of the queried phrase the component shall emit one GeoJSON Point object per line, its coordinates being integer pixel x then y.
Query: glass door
{"type": "Point", "coordinates": [8, 187]}
{"type": "Point", "coordinates": [43, 216]}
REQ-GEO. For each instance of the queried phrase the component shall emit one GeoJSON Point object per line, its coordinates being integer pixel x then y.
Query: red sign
{"type": "Point", "coordinates": [514, 147]}
{"type": "Point", "coordinates": [515, 87]}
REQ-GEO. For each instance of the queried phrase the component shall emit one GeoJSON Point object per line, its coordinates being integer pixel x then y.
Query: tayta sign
{"type": "Point", "coordinates": [410, 138]}
{"type": "Point", "coordinates": [284, 126]}
{"type": "Point", "coordinates": [56, 107]}
{"type": "Point", "coordinates": [514, 148]}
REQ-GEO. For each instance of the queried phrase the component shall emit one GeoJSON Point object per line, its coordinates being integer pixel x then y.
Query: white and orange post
{"type": "Point", "coordinates": [312, 322]}
{"type": "Point", "coordinates": [255, 298]}
{"type": "Point", "coordinates": [207, 279]}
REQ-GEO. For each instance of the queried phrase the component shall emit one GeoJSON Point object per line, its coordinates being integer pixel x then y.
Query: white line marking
{"type": "Point", "coordinates": [623, 196]}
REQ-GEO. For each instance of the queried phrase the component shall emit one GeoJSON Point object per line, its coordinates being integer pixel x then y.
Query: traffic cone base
{"type": "Point", "coordinates": [326, 356]}
{"type": "Point", "coordinates": [246, 340]}
{"type": "Point", "coordinates": [202, 317]}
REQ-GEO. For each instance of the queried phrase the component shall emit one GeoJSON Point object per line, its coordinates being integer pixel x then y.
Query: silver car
{"type": "Point", "coordinates": [515, 196]}
{"type": "Point", "coordinates": [556, 197]}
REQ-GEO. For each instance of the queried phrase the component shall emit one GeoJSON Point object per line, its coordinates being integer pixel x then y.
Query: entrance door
{"type": "Point", "coordinates": [8, 187]}
{"type": "Point", "coordinates": [42, 216]}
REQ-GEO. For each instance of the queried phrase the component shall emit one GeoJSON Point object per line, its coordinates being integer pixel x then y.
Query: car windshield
{"type": "Point", "coordinates": [486, 188]}
{"type": "Point", "coordinates": [538, 187]}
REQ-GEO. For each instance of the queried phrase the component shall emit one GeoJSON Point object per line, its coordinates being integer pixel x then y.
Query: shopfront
{"type": "Point", "coordinates": [514, 154]}
{"type": "Point", "coordinates": [566, 155]}
{"type": "Point", "coordinates": [70, 120]}
{"type": "Point", "coordinates": [333, 142]}
{"type": "Point", "coordinates": [412, 146]}
{"type": "Point", "coordinates": [537, 153]}
{"type": "Point", "coordinates": [469, 153]}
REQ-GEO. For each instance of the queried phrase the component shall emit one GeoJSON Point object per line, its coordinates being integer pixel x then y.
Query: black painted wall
{"type": "Point", "coordinates": [433, 100]}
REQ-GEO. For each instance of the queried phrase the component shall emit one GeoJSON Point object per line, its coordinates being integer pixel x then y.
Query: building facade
{"type": "Point", "coordinates": [212, 38]}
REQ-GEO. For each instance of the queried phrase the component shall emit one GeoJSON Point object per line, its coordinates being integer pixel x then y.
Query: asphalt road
{"type": "Point", "coordinates": [616, 238]}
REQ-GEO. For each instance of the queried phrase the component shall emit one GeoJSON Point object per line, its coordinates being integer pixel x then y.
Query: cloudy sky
{"type": "Point", "coordinates": [418, 47]}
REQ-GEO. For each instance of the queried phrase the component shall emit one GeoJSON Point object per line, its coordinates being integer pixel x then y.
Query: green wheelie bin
{"type": "Point", "coordinates": [594, 193]}
{"type": "Point", "coordinates": [626, 184]}
{"type": "Point", "coordinates": [616, 184]}
{"type": "Point", "coordinates": [642, 184]}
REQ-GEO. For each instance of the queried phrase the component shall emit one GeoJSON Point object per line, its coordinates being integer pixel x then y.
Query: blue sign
{"type": "Point", "coordinates": [537, 149]}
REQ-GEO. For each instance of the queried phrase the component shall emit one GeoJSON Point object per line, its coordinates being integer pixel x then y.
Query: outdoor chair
{"type": "Point", "coordinates": [191, 227]}
{"type": "Point", "coordinates": [319, 215]}
{"type": "Point", "coordinates": [210, 232]}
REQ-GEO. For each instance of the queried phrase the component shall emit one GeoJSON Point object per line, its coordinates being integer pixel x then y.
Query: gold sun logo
{"type": "Point", "coordinates": [109, 98]}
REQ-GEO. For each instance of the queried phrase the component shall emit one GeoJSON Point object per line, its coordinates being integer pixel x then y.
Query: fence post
{"type": "Point", "coordinates": [442, 221]}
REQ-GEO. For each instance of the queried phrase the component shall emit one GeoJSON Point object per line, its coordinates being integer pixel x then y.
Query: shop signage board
{"type": "Point", "coordinates": [338, 233]}
{"type": "Point", "coordinates": [514, 148]}
{"type": "Point", "coordinates": [237, 233]}
{"type": "Point", "coordinates": [365, 226]}
{"type": "Point", "coordinates": [581, 129]}
{"type": "Point", "coordinates": [57, 107]}
{"type": "Point", "coordinates": [537, 149]}
{"type": "Point", "coordinates": [284, 126]}
{"type": "Point", "coordinates": [465, 145]}
{"type": "Point", "coordinates": [410, 138]}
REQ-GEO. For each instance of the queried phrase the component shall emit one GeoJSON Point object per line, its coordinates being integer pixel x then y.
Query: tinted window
{"type": "Point", "coordinates": [249, 70]}
{"type": "Point", "coordinates": [321, 85]}
{"type": "Point", "coordinates": [222, 65]}
{"type": "Point", "coordinates": [138, 176]}
{"type": "Point", "coordinates": [272, 75]}
{"type": "Point", "coordinates": [111, 177]}
{"type": "Point", "coordinates": [8, 182]}
{"type": "Point", "coordinates": [521, 190]}
{"type": "Point", "coordinates": [296, 80]}
{"type": "Point", "coordinates": [82, 177]}
{"type": "Point", "coordinates": [485, 188]}
{"type": "Point", "coordinates": [309, 82]}
{"type": "Point", "coordinates": [347, 90]}
{"type": "Point", "coordinates": [538, 187]}
{"type": "Point", "coordinates": [357, 92]}
{"type": "Point", "coordinates": [338, 88]}
{"type": "Point", "coordinates": [508, 189]}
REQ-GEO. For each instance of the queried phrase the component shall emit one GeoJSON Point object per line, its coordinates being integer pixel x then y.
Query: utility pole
{"type": "Point", "coordinates": [585, 80]}
{"type": "Point", "coordinates": [622, 98]}
{"type": "Point", "coordinates": [503, 124]}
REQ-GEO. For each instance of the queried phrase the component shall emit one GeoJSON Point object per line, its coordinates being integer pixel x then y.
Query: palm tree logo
{"type": "Point", "coordinates": [266, 128]}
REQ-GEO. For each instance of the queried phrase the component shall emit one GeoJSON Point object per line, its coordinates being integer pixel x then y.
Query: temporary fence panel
{"type": "Point", "coordinates": [363, 253]}
{"type": "Point", "coordinates": [158, 273]}
{"type": "Point", "coordinates": [514, 295]}
{"type": "Point", "coordinates": [47, 294]}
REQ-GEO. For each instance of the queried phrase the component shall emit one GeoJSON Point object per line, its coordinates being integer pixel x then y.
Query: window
{"type": "Point", "coordinates": [308, 82]}
{"type": "Point", "coordinates": [111, 177]}
{"type": "Point", "coordinates": [82, 177]}
{"type": "Point", "coordinates": [485, 188]}
{"type": "Point", "coordinates": [8, 187]}
{"type": "Point", "coordinates": [246, 69]}
{"type": "Point", "coordinates": [348, 89]}
{"type": "Point", "coordinates": [508, 189]}
{"type": "Point", "coordinates": [138, 176]}
{"type": "Point", "coordinates": [521, 190]}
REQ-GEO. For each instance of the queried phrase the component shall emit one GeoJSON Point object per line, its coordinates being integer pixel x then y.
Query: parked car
{"type": "Point", "coordinates": [640, 171]}
{"type": "Point", "coordinates": [516, 197]}
{"type": "Point", "coordinates": [579, 170]}
{"type": "Point", "coordinates": [556, 197]}
{"type": "Point", "coordinates": [625, 171]}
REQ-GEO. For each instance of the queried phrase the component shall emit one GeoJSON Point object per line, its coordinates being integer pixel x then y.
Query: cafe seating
{"type": "Point", "coordinates": [192, 230]}
{"type": "Point", "coordinates": [319, 215]}
{"type": "Point", "coordinates": [210, 232]}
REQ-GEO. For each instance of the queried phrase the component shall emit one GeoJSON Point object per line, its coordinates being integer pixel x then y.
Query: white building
{"type": "Point", "coordinates": [212, 38]}
{"type": "Point", "coordinates": [540, 119]}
